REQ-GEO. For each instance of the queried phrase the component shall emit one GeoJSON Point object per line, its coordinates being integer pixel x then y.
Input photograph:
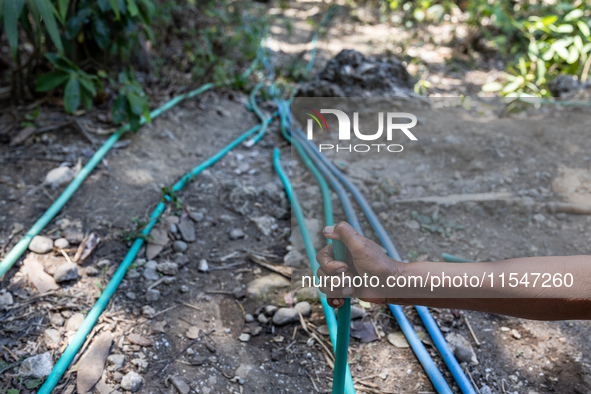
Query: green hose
{"type": "Point", "coordinates": [338, 330]}
{"type": "Point", "coordinates": [17, 251]}
{"type": "Point", "coordinates": [103, 300]}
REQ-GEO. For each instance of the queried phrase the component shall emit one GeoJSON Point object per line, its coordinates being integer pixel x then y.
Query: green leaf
{"type": "Point", "coordinates": [492, 87]}
{"type": "Point", "coordinates": [134, 122]}
{"type": "Point", "coordinates": [88, 86]}
{"type": "Point", "coordinates": [132, 8]}
{"type": "Point", "coordinates": [549, 20]}
{"type": "Point", "coordinates": [136, 103]}
{"type": "Point", "coordinates": [513, 86]}
{"type": "Point", "coordinates": [46, 10]}
{"type": "Point", "coordinates": [75, 23]}
{"type": "Point", "coordinates": [63, 9]}
{"type": "Point", "coordinates": [564, 28]}
{"type": "Point", "coordinates": [50, 81]}
{"type": "Point", "coordinates": [584, 28]}
{"type": "Point", "coordinates": [573, 55]}
{"type": "Point", "coordinates": [115, 7]}
{"type": "Point", "coordinates": [12, 11]}
{"type": "Point", "coordinates": [574, 14]}
{"type": "Point", "coordinates": [533, 50]}
{"type": "Point", "coordinates": [12, 391]}
{"type": "Point", "coordinates": [86, 99]}
{"type": "Point", "coordinates": [101, 32]}
{"type": "Point", "coordinates": [33, 384]}
{"type": "Point", "coordinates": [541, 69]}
{"type": "Point", "coordinates": [119, 111]}
{"type": "Point", "coordinates": [72, 95]}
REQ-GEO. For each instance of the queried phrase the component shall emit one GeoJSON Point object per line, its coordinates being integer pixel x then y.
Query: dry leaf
{"type": "Point", "coordinates": [92, 365]}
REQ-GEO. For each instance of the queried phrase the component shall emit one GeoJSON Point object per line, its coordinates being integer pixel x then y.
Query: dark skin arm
{"type": "Point", "coordinates": [553, 303]}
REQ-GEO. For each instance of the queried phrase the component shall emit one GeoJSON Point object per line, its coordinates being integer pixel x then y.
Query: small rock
{"type": "Point", "coordinates": [285, 316]}
{"type": "Point", "coordinates": [184, 288]}
{"type": "Point", "coordinates": [138, 340]}
{"type": "Point", "coordinates": [265, 284]}
{"type": "Point", "coordinates": [168, 280]}
{"type": "Point", "coordinates": [41, 244]}
{"type": "Point", "coordinates": [193, 332]}
{"type": "Point", "coordinates": [357, 312]}
{"type": "Point", "coordinates": [196, 216]}
{"type": "Point", "coordinates": [52, 338]}
{"type": "Point", "coordinates": [180, 385]}
{"type": "Point", "coordinates": [66, 272]}
{"type": "Point", "coordinates": [538, 217]}
{"type": "Point", "coordinates": [131, 295]}
{"type": "Point", "coordinates": [187, 229]}
{"type": "Point", "coordinates": [248, 318]}
{"type": "Point", "coordinates": [244, 337]}
{"type": "Point", "coordinates": [103, 263]}
{"type": "Point", "coordinates": [203, 266]}
{"type": "Point", "coordinates": [505, 329]}
{"type": "Point", "coordinates": [485, 390]}
{"type": "Point", "coordinates": [91, 271]}
{"type": "Point", "coordinates": [515, 334]}
{"type": "Point", "coordinates": [132, 274]}
{"type": "Point", "coordinates": [38, 366]}
{"type": "Point", "coordinates": [74, 322]}
{"type": "Point", "coordinates": [293, 258]}
{"type": "Point", "coordinates": [236, 233]}
{"type": "Point", "coordinates": [266, 224]}
{"type": "Point", "coordinates": [304, 308]}
{"type": "Point", "coordinates": [456, 341]}
{"type": "Point", "coordinates": [132, 381]}
{"type": "Point", "coordinates": [5, 300]}
{"type": "Point", "coordinates": [56, 319]}
{"type": "Point", "coordinates": [412, 225]}
{"type": "Point", "coordinates": [262, 318]}
{"type": "Point", "coordinates": [151, 274]}
{"type": "Point", "coordinates": [148, 311]}
{"type": "Point", "coordinates": [115, 362]}
{"type": "Point", "coordinates": [180, 246]}
{"type": "Point", "coordinates": [463, 354]}
{"type": "Point", "coordinates": [173, 228]}
{"type": "Point", "coordinates": [152, 295]}
{"type": "Point", "coordinates": [270, 310]}
{"type": "Point", "coordinates": [61, 243]}
{"type": "Point", "coordinates": [168, 268]}
{"type": "Point", "coordinates": [141, 363]}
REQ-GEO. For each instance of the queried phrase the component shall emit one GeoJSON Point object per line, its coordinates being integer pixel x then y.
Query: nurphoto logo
{"type": "Point", "coordinates": [392, 126]}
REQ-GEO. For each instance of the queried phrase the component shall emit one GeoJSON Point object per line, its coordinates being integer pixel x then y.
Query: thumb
{"type": "Point", "coordinates": [343, 232]}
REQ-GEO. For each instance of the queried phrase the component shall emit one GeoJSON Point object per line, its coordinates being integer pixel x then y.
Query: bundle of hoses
{"type": "Point", "coordinates": [342, 379]}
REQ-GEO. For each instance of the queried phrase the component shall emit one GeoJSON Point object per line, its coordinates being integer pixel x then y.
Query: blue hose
{"type": "Point", "coordinates": [92, 317]}
{"type": "Point", "coordinates": [423, 312]}
{"type": "Point", "coordinates": [419, 349]}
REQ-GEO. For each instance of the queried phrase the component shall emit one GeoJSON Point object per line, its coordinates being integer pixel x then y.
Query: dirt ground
{"type": "Point", "coordinates": [193, 330]}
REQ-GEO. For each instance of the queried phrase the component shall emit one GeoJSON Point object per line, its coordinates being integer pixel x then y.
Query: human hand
{"type": "Point", "coordinates": [368, 260]}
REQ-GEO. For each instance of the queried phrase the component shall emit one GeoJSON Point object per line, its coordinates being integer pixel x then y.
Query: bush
{"type": "Point", "coordinates": [75, 40]}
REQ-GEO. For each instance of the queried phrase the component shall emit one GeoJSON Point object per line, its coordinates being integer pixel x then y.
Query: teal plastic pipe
{"type": "Point", "coordinates": [99, 306]}
{"type": "Point", "coordinates": [344, 326]}
{"type": "Point", "coordinates": [18, 249]}
{"type": "Point", "coordinates": [343, 378]}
